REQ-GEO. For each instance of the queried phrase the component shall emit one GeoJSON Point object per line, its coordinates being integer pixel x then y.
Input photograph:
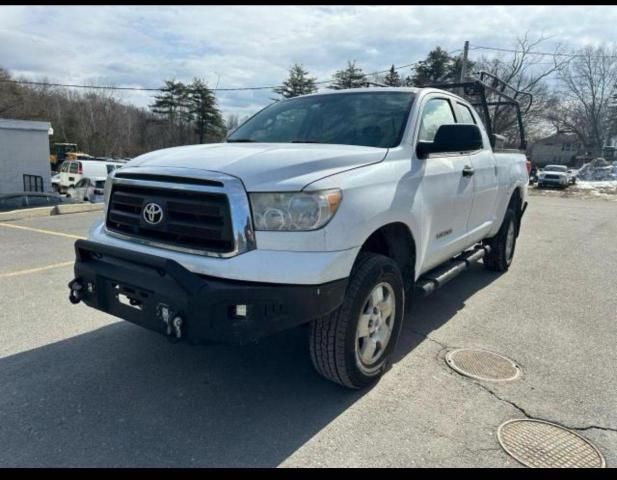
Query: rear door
{"type": "Point", "coordinates": [72, 176]}
{"type": "Point", "coordinates": [65, 174]}
{"type": "Point", "coordinates": [447, 193]}
{"type": "Point", "coordinates": [484, 179]}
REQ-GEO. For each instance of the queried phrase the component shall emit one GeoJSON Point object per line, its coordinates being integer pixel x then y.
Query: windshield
{"type": "Point", "coordinates": [555, 168]}
{"type": "Point", "coordinates": [373, 119]}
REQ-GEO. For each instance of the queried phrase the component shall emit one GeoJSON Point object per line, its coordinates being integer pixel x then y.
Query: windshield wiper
{"type": "Point", "coordinates": [305, 141]}
{"type": "Point", "coordinates": [241, 140]}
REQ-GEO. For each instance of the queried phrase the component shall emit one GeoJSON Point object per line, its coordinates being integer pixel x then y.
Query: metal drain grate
{"type": "Point", "coordinates": [483, 365]}
{"type": "Point", "coordinates": [540, 444]}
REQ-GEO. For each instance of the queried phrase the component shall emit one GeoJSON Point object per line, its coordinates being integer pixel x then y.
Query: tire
{"type": "Point", "coordinates": [336, 345]}
{"type": "Point", "coordinates": [502, 247]}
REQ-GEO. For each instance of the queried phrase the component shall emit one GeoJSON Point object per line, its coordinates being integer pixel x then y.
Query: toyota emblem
{"type": "Point", "coordinates": [152, 213]}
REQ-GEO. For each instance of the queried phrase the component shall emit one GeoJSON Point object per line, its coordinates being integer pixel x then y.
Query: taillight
{"type": "Point", "coordinates": [79, 169]}
{"type": "Point", "coordinates": [528, 167]}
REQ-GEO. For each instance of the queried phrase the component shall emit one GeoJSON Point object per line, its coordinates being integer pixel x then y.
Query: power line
{"type": "Point", "coordinates": [143, 89]}
{"type": "Point", "coordinates": [572, 55]}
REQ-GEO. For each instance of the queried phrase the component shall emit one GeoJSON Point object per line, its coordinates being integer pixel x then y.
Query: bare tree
{"type": "Point", "coordinates": [589, 87]}
{"type": "Point", "coordinates": [525, 71]}
{"type": "Point", "coordinates": [233, 120]}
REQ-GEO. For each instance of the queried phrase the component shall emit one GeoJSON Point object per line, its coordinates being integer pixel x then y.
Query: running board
{"type": "Point", "coordinates": [439, 276]}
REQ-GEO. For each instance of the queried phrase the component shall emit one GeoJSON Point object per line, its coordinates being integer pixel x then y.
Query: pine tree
{"type": "Point", "coordinates": [438, 66]}
{"type": "Point", "coordinates": [171, 103]}
{"type": "Point", "coordinates": [351, 77]}
{"type": "Point", "coordinates": [298, 83]}
{"type": "Point", "coordinates": [392, 79]}
{"type": "Point", "coordinates": [433, 68]}
{"type": "Point", "coordinates": [205, 113]}
{"type": "Point", "coordinates": [453, 71]}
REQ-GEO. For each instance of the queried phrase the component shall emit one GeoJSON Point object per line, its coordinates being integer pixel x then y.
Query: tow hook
{"type": "Point", "coordinates": [75, 295]}
{"type": "Point", "coordinates": [178, 327]}
{"type": "Point", "coordinates": [172, 321]}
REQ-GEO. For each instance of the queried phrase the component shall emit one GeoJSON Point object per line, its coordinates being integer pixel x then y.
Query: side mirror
{"type": "Point", "coordinates": [423, 150]}
{"type": "Point", "coordinates": [456, 137]}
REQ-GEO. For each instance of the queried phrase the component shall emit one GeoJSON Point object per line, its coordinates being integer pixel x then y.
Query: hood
{"type": "Point", "coordinates": [559, 174]}
{"type": "Point", "coordinates": [266, 166]}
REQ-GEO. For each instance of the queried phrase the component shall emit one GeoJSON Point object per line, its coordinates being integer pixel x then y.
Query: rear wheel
{"type": "Point", "coordinates": [353, 345]}
{"type": "Point", "coordinates": [503, 244]}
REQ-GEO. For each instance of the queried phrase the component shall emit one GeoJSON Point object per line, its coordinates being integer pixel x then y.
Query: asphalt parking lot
{"type": "Point", "coordinates": [80, 388]}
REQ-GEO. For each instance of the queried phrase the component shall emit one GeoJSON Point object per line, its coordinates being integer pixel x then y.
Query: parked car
{"type": "Point", "coordinates": [533, 175]}
{"type": "Point", "coordinates": [325, 210]}
{"type": "Point", "coordinates": [55, 182]}
{"type": "Point", "coordinates": [88, 189]}
{"type": "Point", "coordinates": [572, 173]}
{"type": "Point", "coordinates": [72, 172]}
{"type": "Point", "coordinates": [554, 175]}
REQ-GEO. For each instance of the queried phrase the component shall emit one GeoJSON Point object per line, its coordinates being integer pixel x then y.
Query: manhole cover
{"type": "Point", "coordinates": [540, 444]}
{"type": "Point", "coordinates": [483, 365]}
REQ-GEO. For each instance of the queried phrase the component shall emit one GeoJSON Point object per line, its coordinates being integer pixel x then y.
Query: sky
{"type": "Point", "coordinates": [245, 46]}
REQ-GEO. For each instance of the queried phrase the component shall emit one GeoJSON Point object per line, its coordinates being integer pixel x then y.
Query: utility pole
{"type": "Point", "coordinates": [464, 62]}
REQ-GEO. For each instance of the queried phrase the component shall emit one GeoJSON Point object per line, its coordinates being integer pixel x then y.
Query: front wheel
{"type": "Point", "coordinates": [502, 245]}
{"type": "Point", "coordinates": [353, 345]}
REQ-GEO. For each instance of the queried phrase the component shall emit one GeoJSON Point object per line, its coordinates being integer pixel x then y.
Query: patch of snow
{"type": "Point", "coordinates": [607, 187]}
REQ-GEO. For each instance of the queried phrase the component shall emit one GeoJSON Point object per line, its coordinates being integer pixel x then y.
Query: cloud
{"type": "Point", "coordinates": [254, 45]}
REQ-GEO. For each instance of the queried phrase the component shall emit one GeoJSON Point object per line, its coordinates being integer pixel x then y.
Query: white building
{"type": "Point", "coordinates": [24, 156]}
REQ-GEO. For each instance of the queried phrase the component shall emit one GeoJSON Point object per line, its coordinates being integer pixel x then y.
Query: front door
{"type": "Point", "coordinates": [447, 191]}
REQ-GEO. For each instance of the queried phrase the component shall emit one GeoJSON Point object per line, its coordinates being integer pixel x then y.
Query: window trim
{"type": "Point", "coordinates": [450, 99]}
{"type": "Point", "coordinates": [423, 108]}
{"type": "Point", "coordinates": [461, 104]}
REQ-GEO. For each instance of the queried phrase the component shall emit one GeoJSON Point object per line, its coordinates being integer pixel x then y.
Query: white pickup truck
{"type": "Point", "coordinates": [325, 210]}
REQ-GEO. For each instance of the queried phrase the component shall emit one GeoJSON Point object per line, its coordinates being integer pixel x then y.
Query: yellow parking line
{"type": "Point", "coordinates": [39, 230]}
{"type": "Point", "coordinates": [33, 270]}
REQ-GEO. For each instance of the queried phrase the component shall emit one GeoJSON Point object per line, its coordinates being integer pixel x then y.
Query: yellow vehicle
{"type": "Point", "coordinates": [65, 151]}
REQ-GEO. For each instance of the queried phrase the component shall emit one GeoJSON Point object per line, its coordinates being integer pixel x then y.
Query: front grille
{"type": "Point", "coordinates": [552, 177]}
{"type": "Point", "coordinates": [196, 220]}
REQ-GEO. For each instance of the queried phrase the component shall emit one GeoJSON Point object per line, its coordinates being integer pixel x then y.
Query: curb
{"type": "Point", "coordinates": [47, 211]}
{"type": "Point", "coordinates": [76, 208]}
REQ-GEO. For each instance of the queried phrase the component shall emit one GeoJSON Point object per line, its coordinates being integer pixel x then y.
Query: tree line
{"type": "Point", "coordinates": [103, 125]}
{"type": "Point", "coordinates": [575, 93]}
{"type": "Point", "coordinates": [582, 98]}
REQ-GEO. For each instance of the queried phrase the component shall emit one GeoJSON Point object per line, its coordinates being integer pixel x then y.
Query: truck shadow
{"type": "Point", "coordinates": [123, 396]}
{"type": "Point", "coordinates": [425, 315]}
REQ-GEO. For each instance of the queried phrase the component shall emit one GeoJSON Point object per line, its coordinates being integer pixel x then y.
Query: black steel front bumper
{"type": "Point", "coordinates": [155, 292]}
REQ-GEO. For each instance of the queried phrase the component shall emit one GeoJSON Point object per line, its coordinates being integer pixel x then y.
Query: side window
{"type": "Point", "coordinates": [73, 167]}
{"type": "Point", "coordinates": [437, 112]}
{"type": "Point", "coordinates": [465, 114]}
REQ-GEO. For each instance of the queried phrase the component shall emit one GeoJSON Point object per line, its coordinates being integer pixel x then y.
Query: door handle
{"type": "Point", "coordinates": [468, 171]}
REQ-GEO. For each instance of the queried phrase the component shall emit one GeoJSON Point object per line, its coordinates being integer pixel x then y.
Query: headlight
{"type": "Point", "coordinates": [298, 211]}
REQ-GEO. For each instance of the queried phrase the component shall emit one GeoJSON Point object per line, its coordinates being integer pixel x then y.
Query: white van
{"type": "Point", "coordinates": [72, 171]}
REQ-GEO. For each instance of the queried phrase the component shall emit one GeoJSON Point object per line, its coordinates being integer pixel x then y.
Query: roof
{"type": "Point", "coordinates": [559, 137]}
{"type": "Point", "coordinates": [365, 90]}
{"type": "Point", "coordinates": [10, 124]}
{"type": "Point", "coordinates": [414, 90]}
